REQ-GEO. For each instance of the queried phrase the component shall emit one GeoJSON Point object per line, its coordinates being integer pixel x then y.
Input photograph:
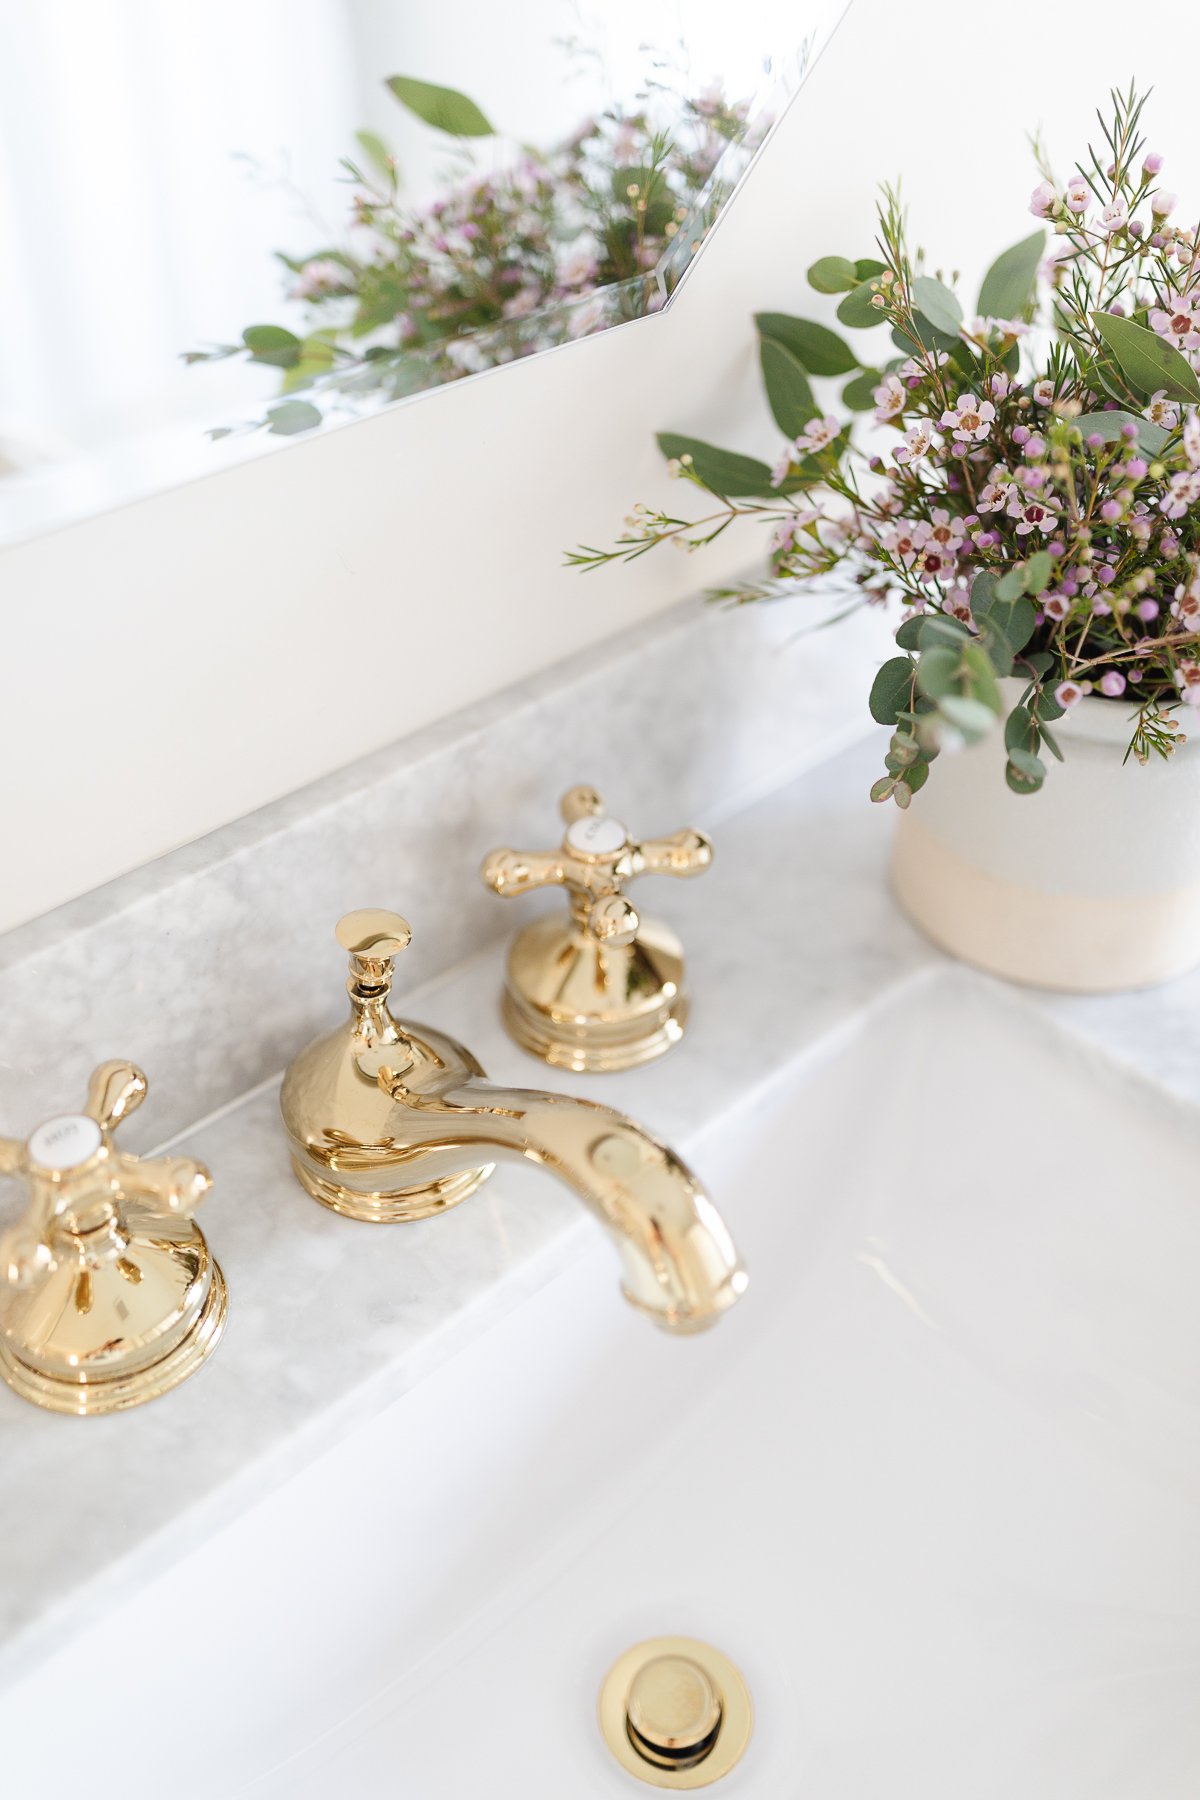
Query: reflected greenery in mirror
{"type": "Point", "coordinates": [218, 235]}
{"type": "Point", "coordinates": [494, 268]}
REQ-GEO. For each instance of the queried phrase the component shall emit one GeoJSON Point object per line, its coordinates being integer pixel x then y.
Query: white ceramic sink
{"type": "Point", "coordinates": [934, 1485]}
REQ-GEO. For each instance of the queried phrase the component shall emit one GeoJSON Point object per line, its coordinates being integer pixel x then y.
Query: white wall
{"type": "Point", "coordinates": [173, 664]}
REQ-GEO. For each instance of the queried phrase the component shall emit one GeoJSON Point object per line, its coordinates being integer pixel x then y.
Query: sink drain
{"type": "Point", "coordinates": [675, 1713]}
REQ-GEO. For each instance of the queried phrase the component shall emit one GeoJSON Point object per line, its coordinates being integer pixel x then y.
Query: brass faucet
{"type": "Point", "coordinates": [109, 1294]}
{"type": "Point", "coordinates": [390, 1120]}
{"type": "Point", "coordinates": [596, 987]}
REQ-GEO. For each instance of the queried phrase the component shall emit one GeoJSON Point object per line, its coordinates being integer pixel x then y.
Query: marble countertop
{"type": "Point", "coordinates": [793, 939]}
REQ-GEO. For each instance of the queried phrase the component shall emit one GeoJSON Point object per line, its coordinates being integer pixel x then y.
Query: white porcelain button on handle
{"type": "Point", "coordinates": [597, 836]}
{"type": "Point", "coordinates": [65, 1142]}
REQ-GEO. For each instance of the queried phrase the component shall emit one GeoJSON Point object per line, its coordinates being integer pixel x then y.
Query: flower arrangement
{"type": "Point", "coordinates": [1036, 509]}
{"type": "Point", "coordinates": [500, 263]}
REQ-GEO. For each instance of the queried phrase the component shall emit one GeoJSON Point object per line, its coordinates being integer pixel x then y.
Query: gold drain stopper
{"type": "Point", "coordinates": [675, 1713]}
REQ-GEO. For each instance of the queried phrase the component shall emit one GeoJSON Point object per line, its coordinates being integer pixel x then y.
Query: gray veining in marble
{"type": "Point", "coordinates": [212, 965]}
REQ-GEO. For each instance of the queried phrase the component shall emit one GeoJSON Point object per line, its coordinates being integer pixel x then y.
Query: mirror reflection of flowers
{"type": "Point", "coordinates": [505, 261]}
{"type": "Point", "coordinates": [1032, 499]}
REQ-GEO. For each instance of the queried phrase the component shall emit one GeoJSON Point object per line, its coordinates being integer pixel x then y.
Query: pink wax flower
{"type": "Point", "coordinates": [817, 434]}
{"type": "Point", "coordinates": [1079, 195]}
{"type": "Point", "coordinates": [1068, 694]}
{"type": "Point", "coordinates": [916, 443]}
{"type": "Point", "coordinates": [969, 419]}
{"type": "Point", "coordinates": [1042, 200]}
{"type": "Point", "coordinates": [1112, 683]}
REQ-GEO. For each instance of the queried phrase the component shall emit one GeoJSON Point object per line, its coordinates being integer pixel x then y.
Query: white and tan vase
{"type": "Point", "coordinates": [1091, 885]}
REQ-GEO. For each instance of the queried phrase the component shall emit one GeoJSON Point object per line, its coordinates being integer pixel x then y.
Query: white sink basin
{"type": "Point", "coordinates": [933, 1485]}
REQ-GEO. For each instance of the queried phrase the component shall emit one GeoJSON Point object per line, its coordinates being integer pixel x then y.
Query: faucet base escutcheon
{"type": "Point", "coordinates": [405, 1204]}
{"type": "Point", "coordinates": [109, 1293]}
{"type": "Point", "coordinates": [592, 1007]}
{"type": "Point", "coordinates": [202, 1306]}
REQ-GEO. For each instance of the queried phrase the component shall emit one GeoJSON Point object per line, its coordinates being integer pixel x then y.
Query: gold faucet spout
{"type": "Point", "coordinates": [678, 1260]}
{"type": "Point", "coordinates": [389, 1120]}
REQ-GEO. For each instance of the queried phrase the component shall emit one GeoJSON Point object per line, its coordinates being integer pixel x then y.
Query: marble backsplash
{"type": "Point", "coordinates": [211, 966]}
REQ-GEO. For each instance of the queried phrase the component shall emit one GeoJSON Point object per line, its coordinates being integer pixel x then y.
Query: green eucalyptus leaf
{"type": "Point", "coordinates": [999, 650]}
{"type": "Point", "coordinates": [891, 690]}
{"type": "Point", "coordinates": [859, 395]}
{"type": "Point", "coordinates": [723, 472]}
{"type": "Point", "coordinates": [902, 794]}
{"type": "Point", "coordinates": [938, 671]}
{"type": "Point", "coordinates": [1009, 284]}
{"type": "Point", "coordinates": [788, 393]}
{"type": "Point", "coordinates": [937, 629]}
{"type": "Point", "coordinates": [1109, 426]}
{"type": "Point", "coordinates": [1147, 361]}
{"type": "Point", "coordinates": [1011, 584]}
{"type": "Point", "coordinates": [866, 267]}
{"type": "Point", "coordinates": [935, 302]}
{"type": "Point", "coordinates": [291, 417]}
{"type": "Point", "coordinates": [929, 339]}
{"type": "Point", "coordinates": [980, 678]}
{"type": "Point", "coordinates": [442, 107]}
{"type": "Point", "coordinates": [833, 275]}
{"type": "Point", "coordinates": [908, 634]}
{"type": "Point", "coordinates": [1038, 570]}
{"type": "Point", "coordinates": [272, 344]}
{"type": "Point", "coordinates": [1031, 766]}
{"type": "Point", "coordinates": [856, 309]}
{"type": "Point", "coordinates": [983, 593]}
{"type": "Point", "coordinates": [972, 717]}
{"type": "Point", "coordinates": [1019, 729]}
{"type": "Point", "coordinates": [1039, 662]}
{"type": "Point", "coordinates": [816, 348]}
{"type": "Point", "coordinates": [1021, 783]}
{"type": "Point", "coordinates": [1050, 743]}
{"type": "Point", "coordinates": [376, 151]}
{"type": "Point", "coordinates": [884, 788]}
{"type": "Point", "coordinates": [915, 776]}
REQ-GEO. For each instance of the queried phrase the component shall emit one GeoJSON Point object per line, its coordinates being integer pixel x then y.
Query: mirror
{"type": "Point", "coordinates": [229, 224]}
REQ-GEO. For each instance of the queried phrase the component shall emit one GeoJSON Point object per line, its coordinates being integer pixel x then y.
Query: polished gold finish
{"type": "Point", "coordinates": [109, 1295]}
{"type": "Point", "coordinates": [599, 988]}
{"type": "Point", "coordinates": [393, 1121]}
{"type": "Point", "coordinates": [675, 1713]}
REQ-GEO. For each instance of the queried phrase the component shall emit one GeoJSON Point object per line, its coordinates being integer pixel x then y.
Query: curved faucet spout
{"type": "Point", "coordinates": [678, 1260]}
{"type": "Point", "coordinates": [391, 1121]}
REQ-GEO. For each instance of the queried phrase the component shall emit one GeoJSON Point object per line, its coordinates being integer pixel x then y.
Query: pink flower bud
{"type": "Point", "coordinates": [1112, 683]}
{"type": "Point", "coordinates": [1161, 204]}
{"type": "Point", "coordinates": [1042, 200]}
{"type": "Point", "coordinates": [1151, 163]}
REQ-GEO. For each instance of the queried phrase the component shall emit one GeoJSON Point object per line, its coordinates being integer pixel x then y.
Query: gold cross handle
{"type": "Point", "coordinates": [595, 861]}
